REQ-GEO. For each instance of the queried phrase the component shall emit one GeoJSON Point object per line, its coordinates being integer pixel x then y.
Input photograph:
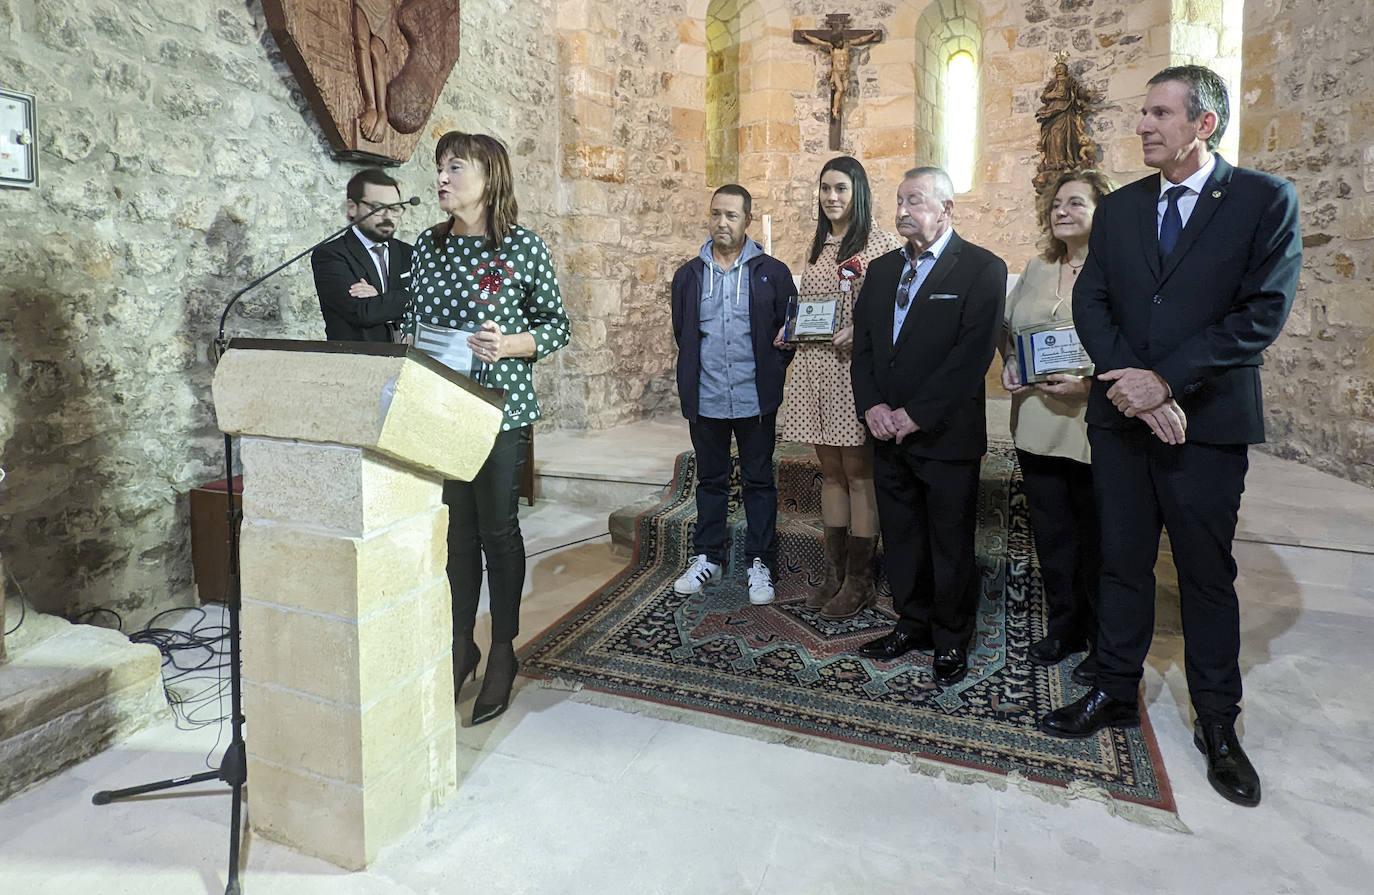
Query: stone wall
{"type": "Point", "coordinates": [179, 160]}
{"type": "Point", "coordinates": [1309, 116]}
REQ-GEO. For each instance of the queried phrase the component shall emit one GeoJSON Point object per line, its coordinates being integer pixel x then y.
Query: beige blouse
{"type": "Point", "coordinates": [1040, 423]}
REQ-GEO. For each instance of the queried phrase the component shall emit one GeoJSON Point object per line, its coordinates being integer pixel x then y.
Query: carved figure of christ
{"type": "Point", "coordinates": [839, 39]}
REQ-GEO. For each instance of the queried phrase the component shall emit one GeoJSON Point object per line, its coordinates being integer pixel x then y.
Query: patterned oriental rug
{"type": "Point", "coordinates": [799, 676]}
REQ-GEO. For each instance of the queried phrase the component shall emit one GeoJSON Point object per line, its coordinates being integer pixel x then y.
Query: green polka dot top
{"type": "Point", "coordinates": [462, 282]}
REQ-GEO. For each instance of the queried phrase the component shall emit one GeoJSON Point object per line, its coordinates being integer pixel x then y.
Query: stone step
{"type": "Point", "coordinates": [593, 491]}
{"type": "Point", "coordinates": [69, 691]}
{"type": "Point", "coordinates": [622, 525]}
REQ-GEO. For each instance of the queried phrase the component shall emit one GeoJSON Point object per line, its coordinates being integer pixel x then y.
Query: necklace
{"type": "Point", "coordinates": [1075, 268]}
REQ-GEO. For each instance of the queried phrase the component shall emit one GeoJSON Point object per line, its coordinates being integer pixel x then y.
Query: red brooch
{"type": "Point", "coordinates": [850, 271]}
{"type": "Point", "coordinates": [491, 276]}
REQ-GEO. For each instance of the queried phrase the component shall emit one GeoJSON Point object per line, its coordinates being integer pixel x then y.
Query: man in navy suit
{"type": "Point", "coordinates": [362, 277]}
{"type": "Point", "coordinates": [925, 328]}
{"type": "Point", "coordinates": [1190, 276]}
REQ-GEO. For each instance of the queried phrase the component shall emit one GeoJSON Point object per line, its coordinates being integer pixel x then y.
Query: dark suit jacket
{"type": "Point", "coordinates": [339, 264]}
{"type": "Point", "coordinates": [1201, 318]}
{"type": "Point", "coordinates": [936, 367]}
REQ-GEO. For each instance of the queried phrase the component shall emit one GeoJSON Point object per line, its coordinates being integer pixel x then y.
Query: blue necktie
{"type": "Point", "coordinates": [1172, 225]}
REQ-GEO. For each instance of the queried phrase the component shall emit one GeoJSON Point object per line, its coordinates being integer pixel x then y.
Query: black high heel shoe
{"type": "Point", "coordinates": [466, 655]}
{"type": "Point", "coordinates": [496, 683]}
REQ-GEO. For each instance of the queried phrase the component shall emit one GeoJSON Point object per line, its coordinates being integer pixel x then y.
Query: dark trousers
{"type": "Point", "coordinates": [483, 518]}
{"type": "Point", "coordinates": [1194, 490]}
{"type": "Point", "coordinates": [754, 438]}
{"type": "Point", "coordinates": [927, 510]}
{"type": "Point", "coordinates": [1063, 515]}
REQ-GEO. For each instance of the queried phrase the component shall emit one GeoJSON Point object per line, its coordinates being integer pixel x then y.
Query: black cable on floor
{"type": "Point", "coordinates": [187, 655]}
{"type": "Point", "coordinates": [23, 603]}
{"type": "Point", "coordinates": [569, 544]}
{"type": "Point", "coordinates": [84, 618]}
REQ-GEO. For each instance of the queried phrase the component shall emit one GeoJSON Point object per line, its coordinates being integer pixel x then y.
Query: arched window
{"type": "Point", "coordinates": [961, 118]}
{"type": "Point", "coordinates": [949, 51]}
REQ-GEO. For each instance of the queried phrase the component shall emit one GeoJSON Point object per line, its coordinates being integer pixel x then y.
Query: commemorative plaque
{"type": "Point", "coordinates": [1046, 348]}
{"type": "Point", "coordinates": [811, 318]}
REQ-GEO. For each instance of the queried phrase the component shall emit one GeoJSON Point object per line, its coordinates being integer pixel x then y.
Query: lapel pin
{"type": "Point", "coordinates": [1216, 194]}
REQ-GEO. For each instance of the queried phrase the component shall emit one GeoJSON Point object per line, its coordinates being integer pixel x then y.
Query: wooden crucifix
{"type": "Point", "coordinates": [838, 39]}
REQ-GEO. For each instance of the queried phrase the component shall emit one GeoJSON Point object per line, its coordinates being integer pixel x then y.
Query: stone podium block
{"type": "Point", "coordinates": [347, 632]}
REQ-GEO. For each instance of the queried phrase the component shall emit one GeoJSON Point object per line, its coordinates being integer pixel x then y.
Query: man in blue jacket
{"type": "Point", "coordinates": [728, 305]}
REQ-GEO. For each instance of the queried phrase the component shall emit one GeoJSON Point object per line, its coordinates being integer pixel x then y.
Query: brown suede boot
{"type": "Point", "coordinates": [834, 568]}
{"type": "Point", "coordinates": [857, 592]}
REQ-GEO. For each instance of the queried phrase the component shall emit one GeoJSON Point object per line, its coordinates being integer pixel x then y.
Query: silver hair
{"type": "Point", "coordinates": [939, 178]}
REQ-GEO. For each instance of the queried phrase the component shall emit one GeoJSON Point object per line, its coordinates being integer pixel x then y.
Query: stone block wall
{"type": "Point", "coordinates": [1309, 116]}
{"type": "Point", "coordinates": [632, 90]}
{"type": "Point", "coordinates": [178, 161]}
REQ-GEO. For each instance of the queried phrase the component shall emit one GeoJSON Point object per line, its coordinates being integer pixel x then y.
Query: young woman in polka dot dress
{"type": "Point", "coordinates": [480, 270]}
{"type": "Point", "coordinates": [818, 405]}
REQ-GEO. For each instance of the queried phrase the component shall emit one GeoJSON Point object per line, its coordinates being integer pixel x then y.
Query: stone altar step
{"type": "Point", "coordinates": [627, 465]}
{"type": "Point", "coordinates": [69, 691]}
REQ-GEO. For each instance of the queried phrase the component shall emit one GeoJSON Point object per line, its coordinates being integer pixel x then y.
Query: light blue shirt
{"type": "Point", "coordinates": [923, 263]}
{"type": "Point", "coordinates": [1188, 201]}
{"type": "Point", "coordinates": [728, 390]}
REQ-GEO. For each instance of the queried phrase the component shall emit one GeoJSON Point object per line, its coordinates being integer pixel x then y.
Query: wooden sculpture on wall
{"type": "Point", "coordinates": [1064, 142]}
{"type": "Point", "coordinates": [838, 39]}
{"type": "Point", "coordinates": [371, 69]}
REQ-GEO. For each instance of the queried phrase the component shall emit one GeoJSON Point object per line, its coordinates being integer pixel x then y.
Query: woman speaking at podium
{"type": "Point", "coordinates": [481, 272]}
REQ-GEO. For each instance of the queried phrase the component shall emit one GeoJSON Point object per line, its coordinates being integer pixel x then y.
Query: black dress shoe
{"type": "Point", "coordinates": [1228, 769]}
{"type": "Point", "coordinates": [1086, 671]}
{"type": "Point", "coordinates": [899, 642]}
{"type": "Point", "coordinates": [950, 666]}
{"type": "Point", "coordinates": [1088, 715]}
{"type": "Point", "coordinates": [1053, 650]}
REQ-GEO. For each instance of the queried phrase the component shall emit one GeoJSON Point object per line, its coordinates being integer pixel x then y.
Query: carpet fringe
{"type": "Point", "coordinates": [1145, 815]}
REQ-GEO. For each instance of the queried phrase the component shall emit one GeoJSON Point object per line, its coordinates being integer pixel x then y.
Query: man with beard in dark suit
{"type": "Point", "coordinates": [1189, 277]}
{"type": "Point", "coordinates": [362, 277]}
{"type": "Point", "coordinates": [925, 328]}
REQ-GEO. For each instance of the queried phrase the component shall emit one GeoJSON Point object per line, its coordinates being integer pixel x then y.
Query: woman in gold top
{"type": "Point", "coordinates": [818, 404]}
{"type": "Point", "coordinates": [1047, 423]}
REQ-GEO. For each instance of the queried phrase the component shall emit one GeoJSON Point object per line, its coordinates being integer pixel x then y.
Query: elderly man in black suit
{"type": "Point", "coordinates": [1190, 276]}
{"type": "Point", "coordinates": [362, 277]}
{"type": "Point", "coordinates": [925, 329]}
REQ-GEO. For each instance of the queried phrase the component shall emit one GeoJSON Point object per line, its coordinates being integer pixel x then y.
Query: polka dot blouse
{"type": "Point", "coordinates": [461, 282]}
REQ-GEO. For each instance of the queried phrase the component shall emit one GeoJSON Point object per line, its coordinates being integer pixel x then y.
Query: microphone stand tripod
{"type": "Point", "coordinates": [233, 767]}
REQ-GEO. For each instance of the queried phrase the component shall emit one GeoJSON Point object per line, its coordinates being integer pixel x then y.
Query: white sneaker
{"type": "Point", "coordinates": [760, 583]}
{"type": "Point", "coordinates": [700, 572]}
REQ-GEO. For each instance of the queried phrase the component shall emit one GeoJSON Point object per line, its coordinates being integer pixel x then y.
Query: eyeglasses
{"type": "Point", "coordinates": [904, 288]}
{"type": "Point", "coordinates": [382, 209]}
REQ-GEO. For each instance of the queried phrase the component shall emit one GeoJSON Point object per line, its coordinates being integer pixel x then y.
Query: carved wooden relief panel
{"type": "Point", "coordinates": [371, 69]}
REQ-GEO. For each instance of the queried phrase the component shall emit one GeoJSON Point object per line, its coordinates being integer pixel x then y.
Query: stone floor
{"type": "Point", "coordinates": [561, 797]}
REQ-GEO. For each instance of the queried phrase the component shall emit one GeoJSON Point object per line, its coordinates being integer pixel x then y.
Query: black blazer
{"type": "Point", "coordinates": [936, 367]}
{"type": "Point", "coordinates": [1200, 318]}
{"type": "Point", "coordinates": [339, 264]}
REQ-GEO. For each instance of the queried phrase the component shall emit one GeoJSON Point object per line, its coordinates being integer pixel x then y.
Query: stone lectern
{"type": "Point", "coordinates": [347, 635]}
